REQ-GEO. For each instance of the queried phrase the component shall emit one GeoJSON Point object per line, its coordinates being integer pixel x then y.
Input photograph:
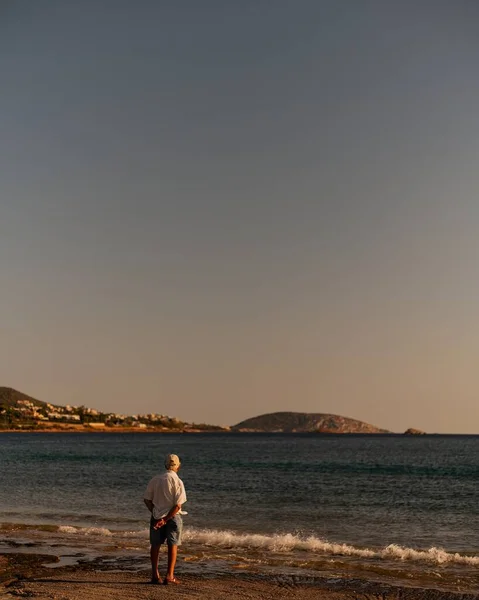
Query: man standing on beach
{"type": "Point", "coordinates": [164, 497]}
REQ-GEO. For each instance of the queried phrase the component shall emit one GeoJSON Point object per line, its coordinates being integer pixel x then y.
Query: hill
{"type": "Point", "coordinates": [20, 411]}
{"type": "Point", "coordinates": [305, 422]}
{"type": "Point", "coordinates": [13, 399]}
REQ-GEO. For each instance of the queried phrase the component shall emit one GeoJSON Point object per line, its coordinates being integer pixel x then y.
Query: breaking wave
{"type": "Point", "coordinates": [289, 542]}
{"type": "Point", "coordinates": [283, 543]}
{"type": "Point", "coordinates": [99, 531]}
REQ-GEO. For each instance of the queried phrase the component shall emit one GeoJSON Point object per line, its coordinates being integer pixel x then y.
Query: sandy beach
{"type": "Point", "coordinates": [23, 575]}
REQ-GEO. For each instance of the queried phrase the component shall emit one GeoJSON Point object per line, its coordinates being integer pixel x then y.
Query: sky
{"type": "Point", "coordinates": [220, 209]}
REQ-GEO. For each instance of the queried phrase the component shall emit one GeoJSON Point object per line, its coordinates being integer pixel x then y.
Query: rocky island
{"type": "Point", "coordinates": [298, 422]}
{"type": "Point", "coordinates": [413, 431]}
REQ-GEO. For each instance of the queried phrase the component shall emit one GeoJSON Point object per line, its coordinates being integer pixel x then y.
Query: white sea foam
{"type": "Point", "coordinates": [98, 531]}
{"type": "Point", "coordinates": [433, 555]}
{"type": "Point", "coordinates": [289, 542]}
{"type": "Point", "coordinates": [67, 529]}
{"type": "Point", "coordinates": [283, 543]}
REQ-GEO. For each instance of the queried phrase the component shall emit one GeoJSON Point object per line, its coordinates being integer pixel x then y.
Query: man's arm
{"type": "Point", "coordinates": [149, 504]}
{"type": "Point", "coordinates": [170, 515]}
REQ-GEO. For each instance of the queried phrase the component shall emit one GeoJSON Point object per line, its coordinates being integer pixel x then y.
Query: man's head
{"type": "Point", "coordinates": [172, 462]}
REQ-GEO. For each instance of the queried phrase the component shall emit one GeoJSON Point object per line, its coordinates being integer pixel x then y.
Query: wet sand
{"type": "Point", "coordinates": [23, 575]}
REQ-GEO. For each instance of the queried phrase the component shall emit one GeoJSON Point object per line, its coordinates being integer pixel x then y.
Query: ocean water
{"type": "Point", "coordinates": [386, 508]}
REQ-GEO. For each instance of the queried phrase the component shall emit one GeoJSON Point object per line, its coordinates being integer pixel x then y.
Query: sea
{"type": "Point", "coordinates": [403, 510]}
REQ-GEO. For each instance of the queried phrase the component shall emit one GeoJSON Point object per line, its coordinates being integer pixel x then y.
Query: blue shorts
{"type": "Point", "coordinates": [170, 532]}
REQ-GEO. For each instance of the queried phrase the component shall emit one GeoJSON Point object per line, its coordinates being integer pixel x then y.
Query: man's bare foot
{"type": "Point", "coordinates": [169, 580]}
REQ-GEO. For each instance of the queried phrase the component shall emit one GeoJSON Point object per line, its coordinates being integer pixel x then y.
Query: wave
{"type": "Point", "coordinates": [277, 543]}
{"type": "Point", "coordinates": [284, 543]}
{"type": "Point", "coordinates": [290, 542]}
{"type": "Point", "coordinates": [99, 531]}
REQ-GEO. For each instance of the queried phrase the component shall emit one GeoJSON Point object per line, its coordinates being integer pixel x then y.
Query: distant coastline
{"type": "Point", "coordinates": [83, 429]}
{"type": "Point", "coordinates": [22, 413]}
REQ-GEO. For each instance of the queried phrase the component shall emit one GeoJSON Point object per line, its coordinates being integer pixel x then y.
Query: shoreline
{"type": "Point", "coordinates": [211, 553]}
{"type": "Point", "coordinates": [82, 429]}
{"type": "Point", "coordinates": [25, 575]}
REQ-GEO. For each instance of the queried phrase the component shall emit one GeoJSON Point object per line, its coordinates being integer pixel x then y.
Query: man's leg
{"type": "Point", "coordinates": [174, 529]}
{"type": "Point", "coordinates": [172, 553]}
{"type": "Point", "coordinates": [155, 555]}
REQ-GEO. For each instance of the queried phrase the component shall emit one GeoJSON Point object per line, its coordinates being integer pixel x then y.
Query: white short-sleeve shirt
{"type": "Point", "coordinates": [165, 491]}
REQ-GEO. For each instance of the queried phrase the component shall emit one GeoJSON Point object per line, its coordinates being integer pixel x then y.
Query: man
{"type": "Point", "coordinates": [164, 497]}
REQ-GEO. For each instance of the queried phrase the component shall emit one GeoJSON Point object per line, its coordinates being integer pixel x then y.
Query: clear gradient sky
{"type": "Point", "coordinates": [220, 208]}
